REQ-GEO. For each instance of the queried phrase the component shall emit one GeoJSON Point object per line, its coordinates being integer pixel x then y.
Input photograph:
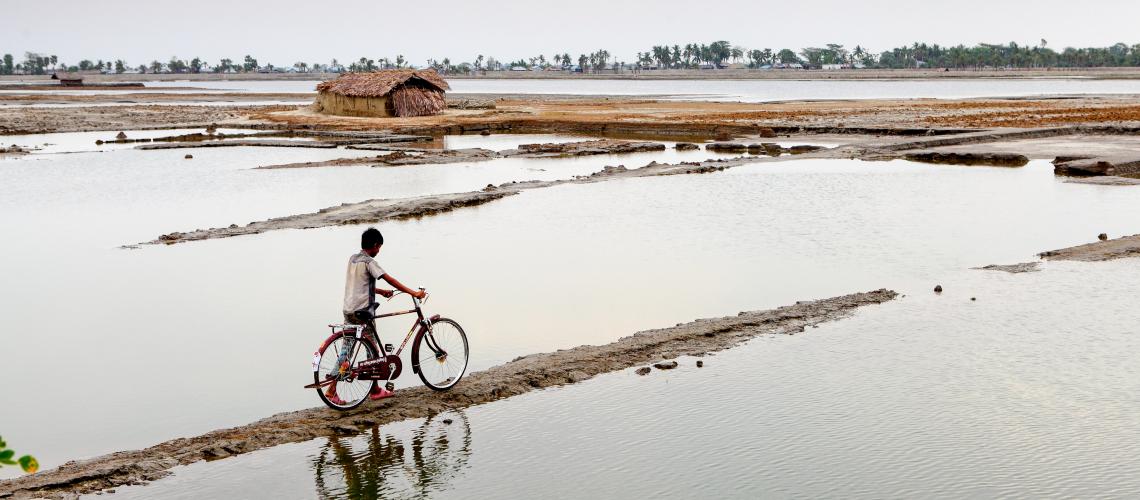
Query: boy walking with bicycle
{"type": "Point", "coordinates": [360, 299]}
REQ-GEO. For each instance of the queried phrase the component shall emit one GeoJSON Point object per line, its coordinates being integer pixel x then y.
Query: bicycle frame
{"type": "Point", "coordinates": [422, 326]}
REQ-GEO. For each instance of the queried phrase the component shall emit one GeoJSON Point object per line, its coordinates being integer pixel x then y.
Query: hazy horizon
{"type": "Point", "coordinates": [288, 31]}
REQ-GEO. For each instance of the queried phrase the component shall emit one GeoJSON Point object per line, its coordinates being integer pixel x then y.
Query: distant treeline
{"type": "Point", "coordinates": [718, 54]}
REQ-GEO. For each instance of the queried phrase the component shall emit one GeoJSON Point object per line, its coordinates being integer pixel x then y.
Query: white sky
{"type": "Point", "coordinates": [286, 31]}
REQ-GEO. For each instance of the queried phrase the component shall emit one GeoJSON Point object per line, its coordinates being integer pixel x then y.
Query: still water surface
{"type": "Point", "coordinates": [1021, 394]}
{"type": "Point", "coordinates": [219, 333]}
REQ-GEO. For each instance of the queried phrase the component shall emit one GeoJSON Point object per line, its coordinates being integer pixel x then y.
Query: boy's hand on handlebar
{"type": "Point", "coordinates": [419, 294]}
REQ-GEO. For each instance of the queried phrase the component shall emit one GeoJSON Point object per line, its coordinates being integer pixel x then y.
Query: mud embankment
{"type": "Point", "coordinates": [406, 154]}
{"type": "Point", "coordinates": [520, 376]}
{"type": "Point", "coordinates": [372, 211]}
{"type": "Point", "coordinates": [1119, 248]}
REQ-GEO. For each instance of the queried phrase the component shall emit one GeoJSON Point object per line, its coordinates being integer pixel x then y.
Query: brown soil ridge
{"type": "Point", "coordinates": [404, 155]}
{"type": "Point", "coordinates": [1119, 248]}
{"type": "Point", "coordinates": [372, 211]}
{"type": "Point", "coordinates": [520, 376]}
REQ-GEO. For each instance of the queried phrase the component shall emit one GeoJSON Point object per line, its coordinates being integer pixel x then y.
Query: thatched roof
{"type": "Point", "coordinates": [379, 83]}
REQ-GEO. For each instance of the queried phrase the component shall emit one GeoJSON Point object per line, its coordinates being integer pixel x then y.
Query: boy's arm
{"type": "Point", "coordinates": [419, 294]}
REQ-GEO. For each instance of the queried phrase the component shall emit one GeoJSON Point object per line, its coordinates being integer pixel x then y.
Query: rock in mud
{"type": "Point", "coordinates": [121, 135]}
{"type": "Point", "coordinates": [1108, 166]}
{"type": "Point", "coordinates": [767, 133]}
{"type": "Point", "coordinates": [727, 147]}
{"type": "Point", "coordinates": [803, 148]}
{"type": "Point", "coordinates": [937, 288]}
{"type": "Point", "coordinates": [666, 365]}
{"type": "Point", "coordinates": [643, 370]}
{"type": "Point", "coordinates": [189, 157]}
{"type": "Point", "coordinates": [1102, 236]}
{"type": "Point", "coordinates": [686, 146]}
{"type": "Point", "coordinates": [1024, 267]}
{"type": "Point", "coordinates": [970, 159]}
{"type": "Point", "coordinates": [700, 364]}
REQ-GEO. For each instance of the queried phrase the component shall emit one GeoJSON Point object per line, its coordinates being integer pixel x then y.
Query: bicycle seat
{"type": "Point", "coordinates": [363, 315]}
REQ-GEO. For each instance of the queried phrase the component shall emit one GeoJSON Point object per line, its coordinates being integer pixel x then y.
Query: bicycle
{"type": "Point", "coordinates": [439, 356]}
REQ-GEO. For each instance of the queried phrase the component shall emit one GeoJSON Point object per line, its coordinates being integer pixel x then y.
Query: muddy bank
{"type": "Point", "coordinates": [1119, 248]}
{"type": "Point", "coordinates": [581, 148]}
{"type": "Point", "coordinates": [405, 154]}
{"type": "Point", "coordinates": [520, 376]}
{"type": "Point", "coordinates": [372, 211]}
{"type": "Point", "coordinates": [1024, 267]}
{"type": "Point", "coordinates": [114, 118]}
{"type": "Point", "coordinates": [398, 158]}
{"type": "Point", "coordinates": [268, 143]}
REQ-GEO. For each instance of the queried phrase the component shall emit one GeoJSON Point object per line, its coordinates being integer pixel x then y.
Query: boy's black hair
{"type": "Point", "coordinates": [371, 238]}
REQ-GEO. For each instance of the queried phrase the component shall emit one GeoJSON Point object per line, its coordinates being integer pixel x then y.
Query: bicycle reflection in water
{"type": "Point", "coordinates": [393, 462]}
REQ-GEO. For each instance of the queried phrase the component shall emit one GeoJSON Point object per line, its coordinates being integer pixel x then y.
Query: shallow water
{"type": "Point", "coordinates": [547, 269]}
{"type": "Point", "coordinates": [1021, 394]}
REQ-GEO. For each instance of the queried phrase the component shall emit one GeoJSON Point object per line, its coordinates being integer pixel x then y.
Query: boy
{"type": "Point", "coordinates": [360, 298]}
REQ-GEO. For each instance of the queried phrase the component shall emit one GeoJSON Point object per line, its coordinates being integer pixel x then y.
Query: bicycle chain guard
{"type": "Point", "coordinates": [378, 370]}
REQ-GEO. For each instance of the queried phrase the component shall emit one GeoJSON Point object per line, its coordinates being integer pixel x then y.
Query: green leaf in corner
{"type": "Point", "coordinates": [3, 444]}
{"type": "Point", "coordinates": [6, 456]}
{"type": "Point", "coordinates": [29, 464]}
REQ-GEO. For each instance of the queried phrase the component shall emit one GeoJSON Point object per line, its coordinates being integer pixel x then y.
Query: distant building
{"type": "Point", "coordinates": [68, 79]}
{"type": "Point", "coordinates": [393, 92]}
{"type": "Point", "coordinates": [519, 68]}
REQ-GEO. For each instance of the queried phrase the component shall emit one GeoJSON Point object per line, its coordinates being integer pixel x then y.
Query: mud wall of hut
{"type": "Point", "coordinates": [353, 106]}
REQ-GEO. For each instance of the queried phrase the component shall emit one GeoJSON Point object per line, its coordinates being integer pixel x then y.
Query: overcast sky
{"type": "Point", "coordinates": [286, 31]}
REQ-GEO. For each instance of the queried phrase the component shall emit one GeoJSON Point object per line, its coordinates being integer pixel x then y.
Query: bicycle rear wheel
{"type": "Point", "coordinates": [441, 354]}
{"type": "Point", "coordinates": [350, 391]}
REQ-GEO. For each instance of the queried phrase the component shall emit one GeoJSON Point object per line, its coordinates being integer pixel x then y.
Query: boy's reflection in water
{"type": "Point", "coordinates": [394, 465]}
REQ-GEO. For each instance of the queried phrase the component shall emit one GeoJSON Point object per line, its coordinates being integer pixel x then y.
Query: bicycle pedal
{"type": "Point", "coordinates": [390, 386]}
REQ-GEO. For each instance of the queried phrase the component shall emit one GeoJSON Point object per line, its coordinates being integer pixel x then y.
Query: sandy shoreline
{"type": "Point", "coordinates": [520, 376]}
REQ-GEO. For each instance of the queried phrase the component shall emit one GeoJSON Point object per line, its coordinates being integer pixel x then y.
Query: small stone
{"type": "Point", "coordinates": [973, 298]}
{"type": "Point", "coordinates": [665, 365]}
{"type": "Point", "coordinates": [98, 142]}
{"type": "Point", "coordinates": [643, 370]}
{"type": "Point", "coordinates": [189, 157]}
{"type": "Point", "coordinates": [1102, 236]}
{"type": "Point", "coordinates": [447, 421]}
{"type": "Point", "coordinates": [121, 136]}
{"type": "Point", "coordinates": [700, 364]}
{"type": "Point", "coordinates": [937, 288]}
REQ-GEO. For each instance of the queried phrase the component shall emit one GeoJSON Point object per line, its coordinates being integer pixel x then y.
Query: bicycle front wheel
{"type": "Point", "coordinates": [336, 363]}
{"type": "Point", "coordinates": [441, 354]}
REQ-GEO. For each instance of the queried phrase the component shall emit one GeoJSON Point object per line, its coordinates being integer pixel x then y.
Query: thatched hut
{"type": "Point", "coordinates": [68, 79]}
{"type": "Point", "coordinates": [397, 92]}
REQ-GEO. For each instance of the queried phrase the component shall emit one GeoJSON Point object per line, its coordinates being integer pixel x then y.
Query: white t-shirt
{"type": "Point", "coordinates": [360, 282]}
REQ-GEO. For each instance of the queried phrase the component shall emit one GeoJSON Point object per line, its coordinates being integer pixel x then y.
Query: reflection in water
{"type": "Point", "coordinates": [385, 464]}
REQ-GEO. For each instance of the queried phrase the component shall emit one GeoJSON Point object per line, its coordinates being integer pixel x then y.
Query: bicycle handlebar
{"type": "Point", "coordinates": [398, 292]}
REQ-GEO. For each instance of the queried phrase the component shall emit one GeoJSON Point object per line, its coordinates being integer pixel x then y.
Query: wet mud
{"type": "Point", "coordinates": [1108, 249]}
